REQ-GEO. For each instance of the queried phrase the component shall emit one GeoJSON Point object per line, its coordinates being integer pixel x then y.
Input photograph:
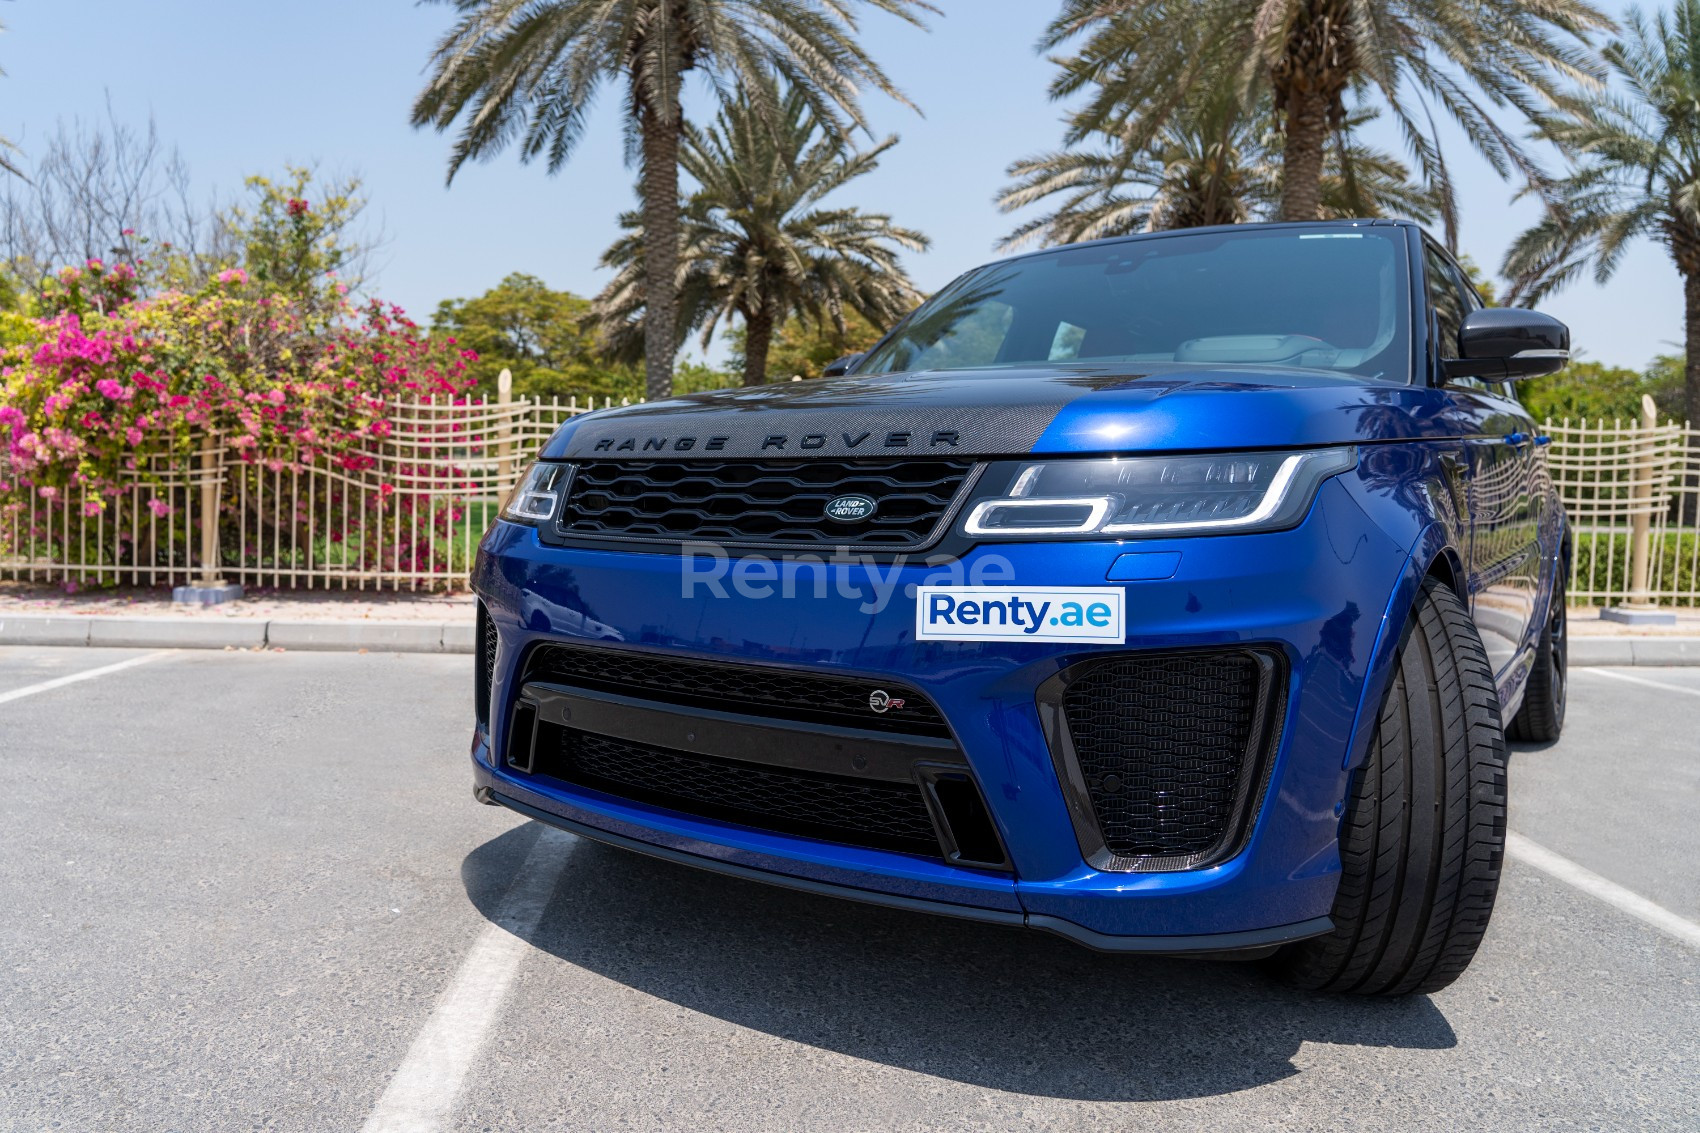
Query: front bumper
{"type": "Point", "coordinates": [1317, 594]}
{"type": "Point", "coordinates": [1224, 942]}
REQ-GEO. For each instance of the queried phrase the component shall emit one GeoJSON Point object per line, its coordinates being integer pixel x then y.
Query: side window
{"type": "Point", "coordinates": [1453, 297]}
{"type": "Point", "coordinates": [1443, 296]}
{"type": "Point", "coordinates": [1472, 302]}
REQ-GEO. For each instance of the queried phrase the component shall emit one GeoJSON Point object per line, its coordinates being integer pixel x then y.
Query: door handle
{"type": "Point", "coordinates": [1517, 440]}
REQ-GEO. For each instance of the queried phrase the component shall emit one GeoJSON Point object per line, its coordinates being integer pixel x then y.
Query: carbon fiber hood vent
{"type": "Point", "coordinates": [1068, 408]}
{"type": "Point", "coordinates": [875, 418]}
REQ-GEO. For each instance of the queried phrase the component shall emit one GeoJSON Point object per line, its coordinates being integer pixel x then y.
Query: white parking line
{"type": "Point", "coordinates": [426, 1084]}
{"type": "Point", "coordinates": [1638, 681]}
{"type": "Point", "coordinates": [1591, 883]}
{"type": "Point", "coordinates": [88, 674]}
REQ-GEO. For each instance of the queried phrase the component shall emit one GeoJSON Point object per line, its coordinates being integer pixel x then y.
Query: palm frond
{"type": "Point", "coordinates": [529, 71]}
{"type": "Point", "coordinates": [1634, 161]}
{"type": "Point", "coordinates": [1131, 59]}
{"type": "Point", "coordinates": [1216, 165]}
{"type": "Point", "coordinates": [757, 240]}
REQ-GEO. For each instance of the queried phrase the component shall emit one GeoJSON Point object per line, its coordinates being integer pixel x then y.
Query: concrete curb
{"type": "Point", "coordinates": [62, 630]}
{"type": "Point", "coordinates": [236, 633]}
{"type": "Point", "coordinates": [176, 633]}
{"type": "Point", "coordinates": [456, 637]}
{"type": "Point", "coordinates": [1634, 651]}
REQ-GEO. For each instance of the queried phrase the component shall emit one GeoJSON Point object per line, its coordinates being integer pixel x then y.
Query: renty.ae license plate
{"type": "Point", "coordinates": [1020, 613]}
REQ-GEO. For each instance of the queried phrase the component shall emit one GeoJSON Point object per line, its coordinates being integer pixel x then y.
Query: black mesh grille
{"type": "Point", "coordinates": [486, 671]}
{"type": "Point", "coordinates": [891, 816]}
{"type": "Point", "coordinates": [1164, 744]}
{"type": "Point", "coordinates": [762, 502]}
{"type": "Point", "coordinates": [758, 690]}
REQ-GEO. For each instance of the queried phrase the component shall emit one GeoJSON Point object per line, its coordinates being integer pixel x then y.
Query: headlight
{"type": "Point", "coordinates": [538, 494]}
{"type": "Point", "coordinates": [1159, 495]}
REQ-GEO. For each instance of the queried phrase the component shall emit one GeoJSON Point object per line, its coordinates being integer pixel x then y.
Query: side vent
{"type": "Point", "coordinates": [965, 827]}
{"type": "Point", "coordinates": [522, 737]}
{"type": "Point", "coordinates": [485, 674]}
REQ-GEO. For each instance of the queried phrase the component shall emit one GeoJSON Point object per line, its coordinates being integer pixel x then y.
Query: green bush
{"type": "Point", "coordinates": [1605, 393]}
{"type": "Point", "coordinates": [1673, 564]}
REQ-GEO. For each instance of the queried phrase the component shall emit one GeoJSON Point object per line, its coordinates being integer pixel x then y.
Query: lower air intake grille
{"type": "Point", "coordinates": [761, 502]}
{"type": "Point", "coordinates": [1170, 749]}
{"type": "Point", "coordinates": [890, 816]}
{"type": "Point", "coordinates": [486, 672]}
{"type": "Point", "coordinates": [760, 690]}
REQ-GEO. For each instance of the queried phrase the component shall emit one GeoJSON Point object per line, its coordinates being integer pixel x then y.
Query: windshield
{"type": "Point", "coordinates": [1330, 299]}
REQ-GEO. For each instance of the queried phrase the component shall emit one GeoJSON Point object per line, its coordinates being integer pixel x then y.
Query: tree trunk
{"type": "Point", "coordinates": [1691, 343]}
{"type": "Point", "coordinates": [1301, 162]}
{"type": "Point", "coordinates": [758, 337]}
{"type": "Point", "coordinates": [1689, 511]}
{"type": "Point", "coordinates": [660, 247]}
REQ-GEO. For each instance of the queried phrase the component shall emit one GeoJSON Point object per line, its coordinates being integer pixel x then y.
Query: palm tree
{"type": "Point", "coordinates": [1635, 172]}
{"type": "Point", "coordinates": [529, 70]}
{"type": "Point", "coordinates": [1141, 57]}
{"type": "Point", "coordinates": [758, 242]}
{"type": "Point", "coordinates": [1212, 166]}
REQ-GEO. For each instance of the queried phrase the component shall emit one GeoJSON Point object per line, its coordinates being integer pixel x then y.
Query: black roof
{"type": "Point", "coordinates": [1353, 222]}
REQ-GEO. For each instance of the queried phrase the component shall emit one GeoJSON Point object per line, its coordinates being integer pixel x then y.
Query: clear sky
{"type": "Point", "coordinates": [246, 87]}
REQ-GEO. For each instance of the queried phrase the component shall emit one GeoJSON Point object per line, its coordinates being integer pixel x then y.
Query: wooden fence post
{"type": "Point", "coordinates": [210, 574]}
{"type": "Point", "coordinates": [1640, 609]}
{"type": "Point", "coordinates": [210, 588]}
{"type": "Point", "coordinates": [505, 449]}
{"type": "Point", "coordinates": [1641, 521]}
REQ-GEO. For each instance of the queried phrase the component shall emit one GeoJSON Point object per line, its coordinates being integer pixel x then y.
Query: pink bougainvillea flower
{"type": "Point", "coordinates": [159, 507]}
{"type": "Point", "coordinates": [63, 440]}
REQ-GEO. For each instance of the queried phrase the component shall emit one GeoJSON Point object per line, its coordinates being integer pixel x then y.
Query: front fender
{"type": "Point", "coordinates": [1431, 554]}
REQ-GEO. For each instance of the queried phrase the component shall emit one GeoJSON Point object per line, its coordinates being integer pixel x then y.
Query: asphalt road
{"type": "Point", "coordinates": [238, 888]}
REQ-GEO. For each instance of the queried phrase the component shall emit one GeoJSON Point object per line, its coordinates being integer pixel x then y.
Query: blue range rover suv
{"type": "Point", "coordinates": [1174, 594]}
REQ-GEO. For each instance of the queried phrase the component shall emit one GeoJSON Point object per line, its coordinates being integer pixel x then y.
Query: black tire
{"type": "Point", "coordinates": [1423, 836]}
{"type": "Point", "coordinates": [1541, 718]}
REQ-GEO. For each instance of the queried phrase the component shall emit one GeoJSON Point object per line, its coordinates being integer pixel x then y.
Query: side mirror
{"type": "Point", "coordinates": [842, 366]}
{"type": "Point", "coordinates": [1500, 343]}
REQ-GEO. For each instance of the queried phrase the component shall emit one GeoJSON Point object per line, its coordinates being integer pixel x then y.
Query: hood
{"type": "Point", "coordinates": [1065, 409]}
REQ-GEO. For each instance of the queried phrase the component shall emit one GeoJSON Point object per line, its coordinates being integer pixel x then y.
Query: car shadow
{"type": "Point", "coordinates": [1002, 1008]}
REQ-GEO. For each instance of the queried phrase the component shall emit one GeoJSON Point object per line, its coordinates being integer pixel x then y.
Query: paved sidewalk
{"type": "Point", "coordinates": [1585, 621]}
{"type": "Point", "coordinates": [32, 599]}
{"type": "Point", "coordinates": [443, 623]}
{"type": "Point", "coordinates": [349, 620]}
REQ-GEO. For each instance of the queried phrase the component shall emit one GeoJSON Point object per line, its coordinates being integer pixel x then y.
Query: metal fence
{"type": "Point", "coordinates": [403, 512]}
{"type": "Point", "coordinates": [407, 511]}
{"type": "Point", "coordinates": [1632, 489]}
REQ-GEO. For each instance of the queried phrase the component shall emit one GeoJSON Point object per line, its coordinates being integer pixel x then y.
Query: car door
{"type": "Point", "coordinates": [1503, 559]}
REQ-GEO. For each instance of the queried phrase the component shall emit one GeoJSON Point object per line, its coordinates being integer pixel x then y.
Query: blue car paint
{"type": "Point", "coordinates": [1333, 595]}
